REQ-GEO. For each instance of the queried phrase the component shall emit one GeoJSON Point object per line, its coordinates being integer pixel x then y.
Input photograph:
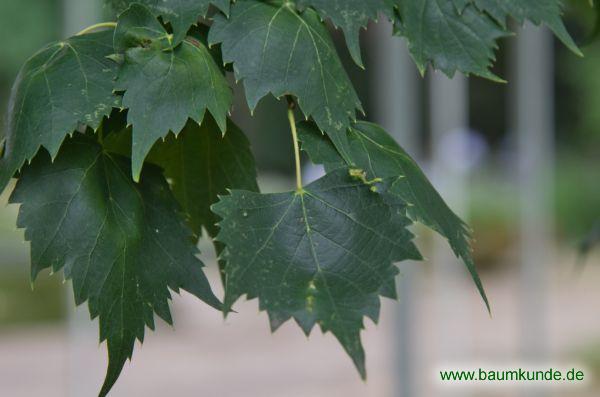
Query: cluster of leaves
{"type": "Point", "coordinates": [124, 153]}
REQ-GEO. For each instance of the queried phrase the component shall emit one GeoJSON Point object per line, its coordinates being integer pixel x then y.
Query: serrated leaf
{"type": "Point", "coordinates": [66, 84]}
{"type": "Point", "coordinates": [377, 153]}
{"type": "Point", "coordinates": [165, 86]}
{"type": "Point", "coordinates": [322, 255]}
{"type": "Point", "coordinates": [450, 39]}
{"type": "Point", "coordinates": [351, 16]}
{"type": "Point", "coordinates": [461, 35]}
{"type": "Point", "coordinates": [201, 163]}
{"type": "Point", "coordinates": [539, 12]}
{"type": "Point", "coordinates": [181, 14]}
{"type": "Point", "coordinates": [276, 50]}
{"type": "Point", "coordinates": [123, 245]}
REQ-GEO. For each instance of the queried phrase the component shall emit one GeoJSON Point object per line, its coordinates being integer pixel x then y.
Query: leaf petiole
{"type": "Point", "coordinates": [97, 26]}
{"type": "Point", "coordinates": [292, 120]}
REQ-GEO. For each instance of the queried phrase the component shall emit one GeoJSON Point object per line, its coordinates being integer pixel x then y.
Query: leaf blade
{"type": "Point", "coordinates": [351, 16]}
{"type": "Point", "coordinates": [320, 256]}
{"type": "Point", "coordinates": [275, 50]}
{"type": "Point", "coordinates": [182, 14]}
{"type": "Point", "coordinates": [123, 245]}
{"type": "Point", "coordinates": [378, 154]}
{"type": "Point", "coordinates": [63, 86]}
{"type": "Point", "coordinates": [165, 86]}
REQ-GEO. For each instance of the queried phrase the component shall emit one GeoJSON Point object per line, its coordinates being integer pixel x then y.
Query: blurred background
{"type": "Point", "coordinates": [519, 161]}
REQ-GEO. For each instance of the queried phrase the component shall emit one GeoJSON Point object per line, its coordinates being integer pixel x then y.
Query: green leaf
{"type": "Point", "coordinates": [451, 39]}
{"type": "Point", "coordinates": [538, 12]}
{"type": "Point", "coordinates": [165, 86]}
{"type": "Point", "coordinates": [462, 34]}
{"type": "Point", "coordinates": [322, 255]}
{"type": "Point", "coordinates": [276, 50]}
{"type": "Point", "coordinates": [123, 245]}
{"type": "Point", "coordinates": [181, 14]}
{"type": "Point", "coordinates": [378, 154]}
{"type": "Point", "coordinates": [201, 163]}
{"type": "Point", "coordinates": [351, 16]}
{"type": "Point", "coordinates": [63, 86]}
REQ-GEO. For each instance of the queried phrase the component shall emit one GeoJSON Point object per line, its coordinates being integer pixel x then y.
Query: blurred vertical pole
{"type": "Point", "coordinates": [77, 14]}
{"type": "Point", "coordinates": [396, 93]}
{"type": "Point", "coordinates": [449, 115]}
{"type": "Point", "coordinates": [449, 107]}
{"type": "Point", "coordinates": [532, 98]}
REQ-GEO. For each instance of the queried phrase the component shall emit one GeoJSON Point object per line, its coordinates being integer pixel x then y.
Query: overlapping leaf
{"type": "Point", "coordinates": [201, 164]}
{"type": "Point", "coordinates": [322, 255]}
{"type": "Point", "coordinates": [181, 14]}
{"type": "Point", "coordinates": [449, 38]}
{"type": "Point", "coordinates": [275, 49]}
{"type": "Point", "coordinates": [461, 34]}
{"type": "Point", "coordinates": [64, 85]}
{"type": "Point", "coordinates": [165, 86]}
{"type": "Point", "coordinates": [123, 245]}
{"type": "Point", "coordinates": [351, 16]}
{"type": "Point", "coordinates": [378, 154]}
{"type": "Point", "coordinates": [547, 12]}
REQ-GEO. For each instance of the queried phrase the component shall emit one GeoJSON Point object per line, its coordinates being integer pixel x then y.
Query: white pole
{"type": "Point", "coordinates": [532, 90]}
{"type": "Point", "coordinates": [396, 92]}
{"type": "Point", "coordinates": [449, 107]}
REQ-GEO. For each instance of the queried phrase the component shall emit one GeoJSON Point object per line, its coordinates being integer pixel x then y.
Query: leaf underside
{"type": "Point", "coordinates": [321, 256]}
{"type": "Point", "coordinates": [123, 245]}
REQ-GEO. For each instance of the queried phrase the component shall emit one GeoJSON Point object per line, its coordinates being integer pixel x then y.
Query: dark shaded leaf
{"type": "Point", "coordinates": [201, 164]}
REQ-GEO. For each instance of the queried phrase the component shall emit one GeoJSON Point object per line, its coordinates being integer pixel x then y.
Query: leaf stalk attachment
{"type": "Point", "coordinates": [97, 26]}
{"type": "Point", "coordinates": [292, 120]}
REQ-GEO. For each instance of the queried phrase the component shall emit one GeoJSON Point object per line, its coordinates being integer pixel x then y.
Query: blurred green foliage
{"type": "Point", "coordinates": [19, 304]}
{"type": "Point", "coordinates": [30, 23]}
{"type": "Point", "coordinates": [577, 194]}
